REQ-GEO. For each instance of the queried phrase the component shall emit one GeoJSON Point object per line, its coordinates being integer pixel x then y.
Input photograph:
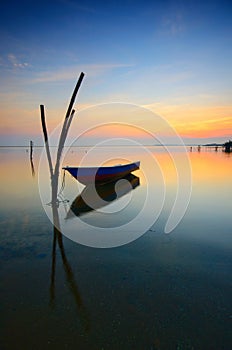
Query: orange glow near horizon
{"type": "Point", "coordinates": [117, 131]}
{"type": "Point", "coordinates": [205, 129]}
{"type": "Point", "coordinates": [197, 121]}
{"type": "Point", "coordinates": [188, 121]}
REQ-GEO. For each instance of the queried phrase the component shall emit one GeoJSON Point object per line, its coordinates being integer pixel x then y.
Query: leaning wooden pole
{"type": "Point", "coordinates": [63, 135]}
{"type": "Point", "coordinates": [69, 112]}
{"type": "Point", "coordinates": [43, 121]}
{"type": "Point", "coordinates": [69, 123]}
{"type": "Point", "coordinates": [72, 101]}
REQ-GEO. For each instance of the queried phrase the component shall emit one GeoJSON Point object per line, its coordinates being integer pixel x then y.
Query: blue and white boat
{"type": "Point", "coordinates": [101, 175]}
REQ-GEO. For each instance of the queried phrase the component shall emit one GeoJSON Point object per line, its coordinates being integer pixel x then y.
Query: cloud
{"type": "Point", "coordinates": [172, 24]}
{"type": "Point", "coordinates": [67, 73]}
{"type": "Point", "coordinates": [14, 62]}
{"type": "Point", "coordinates": [195, 120]}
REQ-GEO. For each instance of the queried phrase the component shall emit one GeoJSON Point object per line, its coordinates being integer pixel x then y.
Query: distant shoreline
{"type": "Point", "coordinates": [173, 145]}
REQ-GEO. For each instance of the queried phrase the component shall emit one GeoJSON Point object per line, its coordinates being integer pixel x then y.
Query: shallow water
{"type": "Point", "coordinates": [161, 291]}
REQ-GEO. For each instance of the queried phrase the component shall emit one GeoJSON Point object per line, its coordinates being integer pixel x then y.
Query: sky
{"type": "Point", "coordinates": [171, 57]}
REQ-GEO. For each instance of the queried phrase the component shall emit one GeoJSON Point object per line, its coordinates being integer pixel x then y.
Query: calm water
{"type": "Point", "coordinates": [158, 292]}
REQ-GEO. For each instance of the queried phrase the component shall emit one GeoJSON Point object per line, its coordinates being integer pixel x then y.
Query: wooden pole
{"type": "Point", "coordinates": [78, 84]}
{"type": "Point", "coordinates": [69, 123]}
{"type": "Point", "coordinates": [64, 133]}
{"type": "Point", "coordinates": [43, 121]}
{"type": "Point", "coordinates": [31, 150]}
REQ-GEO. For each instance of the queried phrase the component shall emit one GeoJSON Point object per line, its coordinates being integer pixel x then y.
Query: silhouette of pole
{"type": "Point", "coordinates": [64, 132]}
{"type": "Point", "coordinates": [78, 84]}
{"type": "Point", "coordinates": [31, 150]}
{"type": "Point", "coordinates": [43, 121]}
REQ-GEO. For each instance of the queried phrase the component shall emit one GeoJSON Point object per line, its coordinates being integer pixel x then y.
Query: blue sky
{"type": "Point", "coordinates": [167, 55]}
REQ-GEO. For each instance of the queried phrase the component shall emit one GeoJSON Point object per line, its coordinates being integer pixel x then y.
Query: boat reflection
{"type": "Point", "coordinates": [95, 197]}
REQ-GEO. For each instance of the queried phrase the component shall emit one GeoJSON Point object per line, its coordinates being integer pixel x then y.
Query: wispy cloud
{"type": "Point", "coordinates": [67, 73]}
{"type": "Point", "coordinates": [172, 24]}
{"type": "Point", "coordinates": [11, 62]}
{"type": "Point", "coordinates": [195, 120]}
{"type": "Point", "coordinates": [15, 62]}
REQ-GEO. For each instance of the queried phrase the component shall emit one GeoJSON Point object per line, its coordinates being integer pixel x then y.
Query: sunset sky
{"type": "Point", "coordinates": [172, 57]}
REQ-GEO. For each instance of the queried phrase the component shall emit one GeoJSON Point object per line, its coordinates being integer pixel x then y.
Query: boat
{"type": "Point", "coordinates": [101, 175]}
{"type": "Point", "coordinates": [95, 197]}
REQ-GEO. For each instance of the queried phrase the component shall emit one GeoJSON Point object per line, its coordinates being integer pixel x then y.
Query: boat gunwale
{"type": "Point", "coordinates": [137, 163]}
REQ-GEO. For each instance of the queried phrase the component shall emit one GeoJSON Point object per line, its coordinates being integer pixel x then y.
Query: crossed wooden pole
{"type": "Point", "coordinates": [54, 171]}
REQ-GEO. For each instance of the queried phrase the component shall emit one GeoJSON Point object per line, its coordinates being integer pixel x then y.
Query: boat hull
{"type": "Point", "coordinates": [101, 175]}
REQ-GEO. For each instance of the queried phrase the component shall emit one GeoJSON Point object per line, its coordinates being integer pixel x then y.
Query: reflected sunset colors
{"type": "Point", "coordinates": [211, 185]}
{"type": "Point", "coordinates": [157, 273]}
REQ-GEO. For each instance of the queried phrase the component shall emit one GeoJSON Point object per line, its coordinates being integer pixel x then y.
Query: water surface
{"type": "Point", "coordinates": [158, 292]}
